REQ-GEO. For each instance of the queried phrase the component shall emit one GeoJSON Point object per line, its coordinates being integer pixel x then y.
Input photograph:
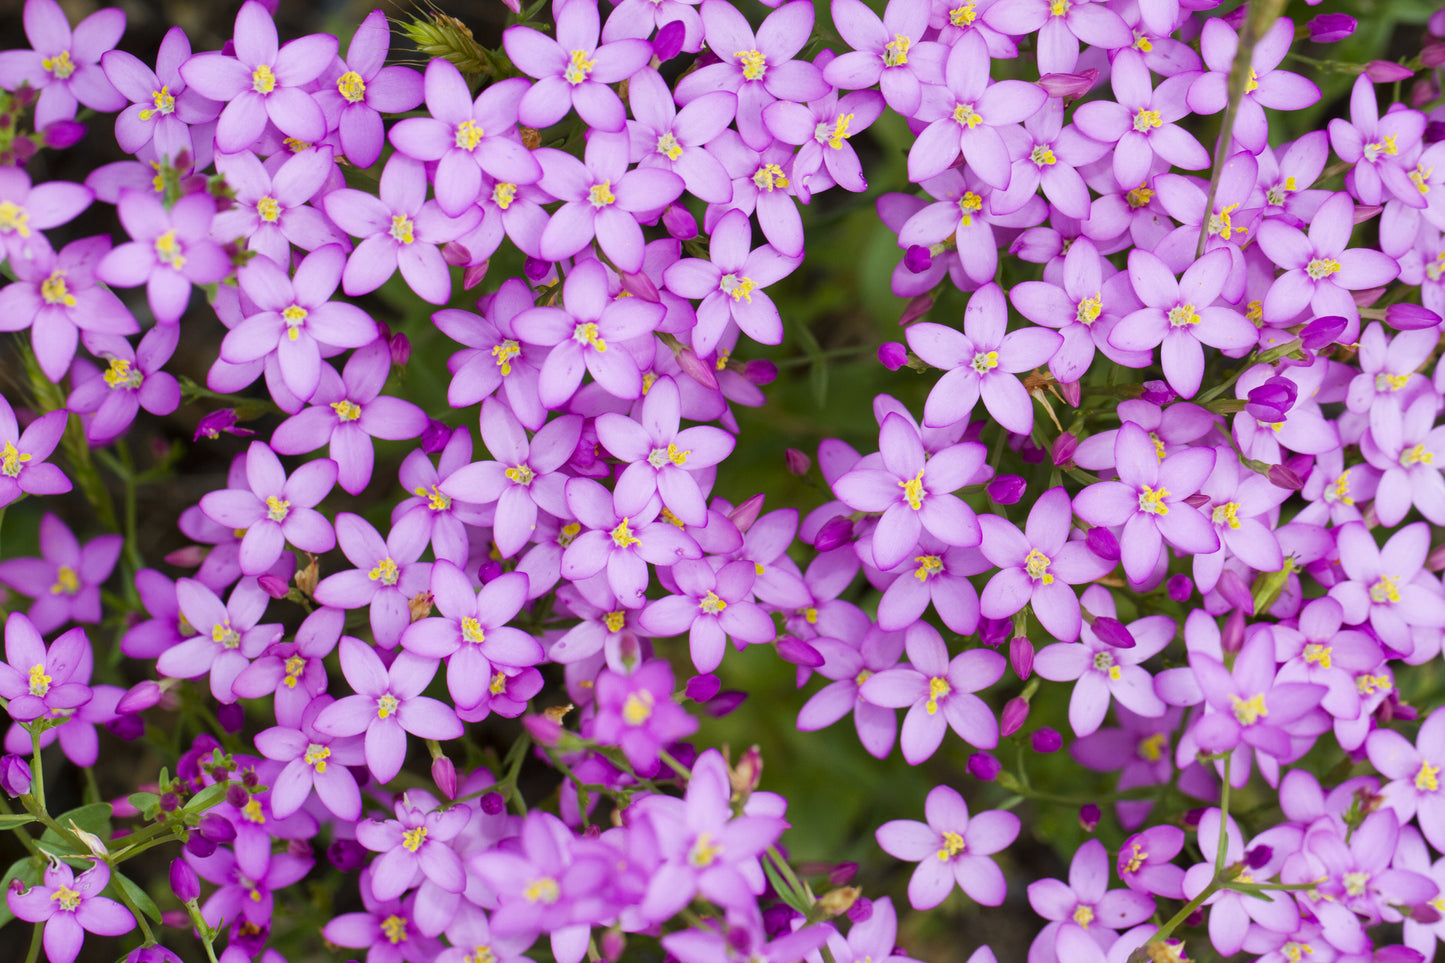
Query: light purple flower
{"type": "Point", "coordinates": [271, 212]}
{"type": "Point", "coordinates": [359, 90]}
{"type": "Point", "coordinates": [1076, 908]}
{"type": "Point", "coordinates": [228, 635]}
{"type": "Point", "coordinates": [890, 52]}
{"type": "Point", "coordinates": [23, 466]}
{"type": "Point", "coordinates": [65, 581]}
{"type": "Point", "coordinates": [622, 545]}
{"type": "Point", "coordinates": [163, 109]}
{"type": "Point", "coordinates": [638, 713]}
{"type": "Point", "coordinates": [416, 841]}
{"type": "Point", "coordinates": [1388, 586]}
{"type": "Point", "coordinates": [950, 848]}
{"type": "Point", "coordinates": [26, 210]}
{"type": "Point", "coordinates": [1266, 87]}
{"type": "Point", "coordinates": [275, 509]}
{"type": "Point", "coordinates": [132, 380]}
{"type": "Point", "coordinates": [1061, 26]}
{"type": "Point", "coordinates": [1374, 144]}
{"type": "Point", "coordinates": [1402, 444]}
{"type": "Point", "coordinates": [37, 681]}
{"type": "Point", "coordinates": [169, 250]}
{"type": "Point", "coordinates": [64, 67]}
{"type": "Point", "coordinates": [675, 140]}
{"type": "Point", "coordinates": [314, 760]}
{"type": "Point", "coordinates": [70, 905]}
{"type": "Point", "coordinates": [711, 605]}
{"type": "Point", "coordinates": [386, 577]}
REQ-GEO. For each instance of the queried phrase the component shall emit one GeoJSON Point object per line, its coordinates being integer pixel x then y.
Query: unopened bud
{"type": "Point", "coordinates": [400, 346]}
{"type": "Point", "coordinates": [347, 855]}
{"type": "Point", "coordinates": [1113, 632]}
{"type": "Point", "coordinates": [1069, 86]}
{"type": "Point", "coordinates": [1103, 543]}
{"type": "Point", "coordinates": [231, 717]}
{"type": "Point", "coordinates": [725, 703]}
{"type": "Point", "coordinates": [455, 254]}
{"type": "Point", "coordinates": [1158, 393]}
{"type": "Point", "coordinates": [63, 133]}
{"type": "Point", "coordinates": [760, 372]}
{"type": "Point", "coordinates": [1258, 856]}
{"type": "Point", "coordinates": [1411, 317]}
{"type": "Point", "coordinates": [1385, 72]}
{"type": "Point", "coordinates": [679, 222]}
{"type": "Point", "coordinates": [1021, 656]}
{"type": "Point", "coordinates": [444, 774]}
{"type": "Point", "coordinates": [696, 368]}
{"type": "Point", "coordinates": [140, 697]}
{"type": "Point", "coordinates": [531, 137]}
{"type": "Point", "coordinates": [1089, 816]}
{"type": "Point", "coordinates": [1320, 333]}
{"type": "Point", "coordinates": [892, 355]}
{"type": "Point", "coordinates": [1015, 713]}
{"type": "Point", "coordinates": [836, 902]}
{"type": "Point", "coordinates": [798, 652]}
{"type": "Point", "coordinates": [1235, 591]}
{"type": "Point", "coordinates": [184, 882]}
{"type": "Point", "coordinates": [917, 259]}
{"type": "Point", "coordinates": [994, 631]}
{"type": "Point", "coordinates": [983, 766]}
{"type": "Point", "coordinates": [613, 942]}
{"type": "Point", "coordinates": [544, 729]}
{"type": "Point", "coordinates": [1179, 587]}
{"type": "Point", "coordinates": [1197, 500]}
{"type": "Point", "coordinates": [15, 775]}
{"type": "Point", "coordinates": [218, 828]}
{"type": "Point", "coordinates": [1283, 476]}
{"type": "Point", "coordinates": [745, 514]}
{"type": "Point", "coordinates": [915, 309]}
{"type": "Point", "coordinates": [639, 285]}
{"type": "Point", "coordinates": [669, 40]}
{"type": "Point", "coordinates": [274, 586]}
{"type": "Point", "coordinates": [1432, 56]}
{"type": "Point", "coordinates": [1072, 391]}
{"type": "Point", "coordinates": [798, 462]}
{"type": "Point", "coordinates": [474, 274]}
{"type": "Point", "coordinates": [1331, 27]}
{"type": "Point", "coordinates": [536, 269]}
{"type": "Point", "coordinates": [835, 533]}
{"type": "Point", "coordinates": [840, 875]}
{"type": "Point", "coordinates": [747, 773]}
{"type": "Point", "coordinates": [187, 557]}
{"type": "Point", "coordinates": [1231, 637]}
{"type": "Point", "coordinates": [198, 845]}
{"type": "Point", "coordinates": [1046, 740]}
{"type": "Point", "coordinates": [493, 804]}
{"type": "Point", "coordinates": [1063, 449]}
{"type": "Point", "coordinates": [1006, 489]}
{"type": "Point", "coordinates": [862, 911]}
{"type": "Point", "coordinates": [435, 437]}
{"type": "Point", "coordinates": [701, 688]}
{"type": "Point", "coordinates": [1272, 401]}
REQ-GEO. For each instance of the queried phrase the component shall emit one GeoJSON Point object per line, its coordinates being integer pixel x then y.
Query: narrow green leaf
{"type": "Point", "coordinates": [138, 896]}
{"type": "Point", "coordinates": [15, 821]}
{"type": "Point", "coordinates": [207, 797]}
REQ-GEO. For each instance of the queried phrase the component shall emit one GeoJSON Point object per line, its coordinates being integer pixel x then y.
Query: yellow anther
{"type": "Point", "coordinates": [1225, 514]}
{"type": "Point", "coordinates": [834, 134]}
{"type": "Point", "coordinates": [968, 205]}
{"type": "Point", "coordinates": [1426, 780]}
{"type": "Point", "coordinates": [600, 195]}
{"type": "Point", "coordinates": [295, 666]}
{"type": "Point", "coordinates": [1252, 84]}
{"type": "Point", "coordinates": [586, 333]}
{"type": "Point", "coordinates": [54, 291]}
{"type": "Point", "coordinates": [1385, 145]}
{"type": "Point", "coordinates": [1384, 381]}
{"type": "Point", "coordinates": [1089, 309]}
{"type": "Point", "coordinates": [965, 116]}
{"type": "Point", "coordinates": [952, 845]}
{"type": "Point", "coordinates": [739, 289]}
{"type": "Point", "coordinates": [863, 676]}
{"type": "Point", "coordinates": [14, 218]}
{"type": "Point", "coordinates": [1322, 267]}
{"type": "Point", "coordinates": [1043, 155]}
{"type": "Point", "coordinates": [316, 756]}
{"type": "Point", "coordinates": [711, 604]}
{"type": "Point", "coordinates": [622, 535]}
{"type": "Point", "coordinates": [468, 135]}
{"type": "Point", "coordinates": [39, 681]}
{"type": "Point", "coordinates": [60, 66]}
{"type": "Point", "coordinates": [704, 851]}
{"type": "Point", "coordinates": [268, 209]}
{"type": "Point", "coordinates": [435, 499]}
{"type": "Point", "coordinates": [499, 683]}
{"type": "Point", "coordinates": [1152, 500]}
{"type": "Point", "coordinates": [1316, 653]}
{"type": "Point", "coordinates": [387, 705]}
{"type": "Point", "coordinates": [1248, 711]}
{"type": "Point", "coordinates": [12, 460]}
{"type": "Point", "coordinates": [1151, 748]}
{"type": "Point", "coordinates": [263, 81]}
{"type": "Point", "coordinates": [637, 708]}
{"type": "Point", "coordinates": [1417, 455]}
{"type": "Point", "coordinates": [938, 687]}
{"type": "Point", "coordinates": [472, 630]}
{"type": "Point", "coordinates": [504, 352]}
{"type": "Point", "coordinates": [1340, 490]}
{"type": "Point", "coordinates": [1385, 590]}
{"type": "Point", "coordinates": [225, 635]}
{"type": "Point", "coordinates": [351, 86]}
{"type": "Point", "coordinates": [615, 620]}
{"type": "Point", "coordinates": [753, 62]}
{"type": "Point", "coordinates": [1419, 176]}
{"type": "Point", "coordinates": [402, 228]}
{"type": "Point", "coordinates": [413, 838]}
{"type": "Point", "coordinates": [895, 52]}
{"type": "Point", "coordinates": [1221, 224]}
{"type": "Point", "coordinates": [252, 813]}
{"type": "Point", "coordinates": [394, 929]}
{"type": "Point", "coordinates": [385, 572]}
{"type": "Point", "coordinates": [521, 474]}
{"type": "Point", "coordinates": [346, 410]}
{"type": "Point", "coordinates": [1147, 120]}
{"type": "Point", "coordinates": [668, 146]}
{"type": "Point", "coordinates": [1142, 43]}
{"type": "Point", "coordinates": [1137, 858]}
{"type": "Point", "coordinates": [1059, 8]}
{"type": "Point", "coordinates": [928, 566]}
{"type": "Point", "coordinates": [984, 361]}
{"type": "Point", "coordinates": [122, 374]}
{"type": "Point", "coordinates": [169, 250]}
{"type": "Point", "coordinates": [568, 533]}
{"type": "Point", "coordinates": [68, 898]}
{"type": "Point", "coordinates": [1036, 563]}
{"type": "Point", "coordinates": [503, 194]}
{"type": "Point", "coordinates": [1083, 915]}
{"type": "Point", "coordinates": [579, 68]}
{"type": "Point", "coordinates": [913, 490]}
{"type": "Point", "coordinates": [810, 615]}
{"type": "Point", "coordinates": [963, 16]}
{"type": "Point", "coordinates": [1140, 196]}
{"type": "Point", "coordinates": [766, 177]}
{"type": "Point", "coordinates": [1183, 315]}
{"type": "Point", "coordinates": [1356, 883]}
{"type": "Point", "coordinates": [276, 509]}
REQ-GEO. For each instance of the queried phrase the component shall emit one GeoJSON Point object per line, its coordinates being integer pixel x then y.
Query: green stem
{"type": "Point", "coordinates": [25, 838]}
{"type": "Point", "coordinates": [676, 766]}
{"type": "Point", "coordinates": [34, 953]}
{"type": "Point", "coordinates": [1239, 75]}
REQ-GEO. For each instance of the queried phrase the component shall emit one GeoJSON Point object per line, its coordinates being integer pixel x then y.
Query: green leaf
{"type": "Point", "coordinates": [138, 896]}
{"type": "Point", "coordinates": [24, 870]}
{"type": "Point", "coordinates": [818, 381]}
{"type": "Point", "coordinates": [207, 797]}
{"type": "Point", "coordinates": [144, 801]}
{"type": "Point", "coordinates": [94, 818]}
{"type": "Point", "coordinates": [15, 821]}
{"type": "Point", "coordinates": [781, 887]}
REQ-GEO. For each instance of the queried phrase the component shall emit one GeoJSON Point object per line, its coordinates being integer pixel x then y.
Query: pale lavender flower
{"type": "Point", "coordinates": [163, 109]}
{"type": "Point", "coordinates": [416, 842]}
{"type": "Point", "coordinates": [313, 761]}
{"type": "Point", "coordinates": [228, 635]}
{"type": "Point", "coordinates": [274, 509]}
{"type": "Point", "coordinates": [169, 251]}
{"type": "Point", "coordinates": [890, 52]}
{"type": "Point", "coordinates": [386, 577]}
{"type": "Point", "coordinates": [69, 906]}
{"type": "Point", "coordinates": [38, 681]}
{"type": "Point", "coordinates": [712, 606]}
{"type": "Point", "coordinates": [1079, 910]}
{"type": "Point", "coordinates": [622, 545]}
{"type": "Point", "coordinates": [952, 847]}
{"type": "Point", "coordinates": [65, 581]}
{"type": "Point", "coordinates": [64, 66]}
{"type": "Point", "coordinates": [23, 466]}
{"type": "Point", "coordinates": [271, 211]}
{"type": "Point", "coordinates": [849, 666]}
{"type": "Point", "coordinates": [357, 91]}
{"type": "Point", "coordinates": [676, 140]}
{"type": "Point", "coordinates": [1267, 86]}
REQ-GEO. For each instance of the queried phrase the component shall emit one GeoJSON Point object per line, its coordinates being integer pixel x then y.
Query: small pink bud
{"type": "Point", "coordinates": [546, 731]}
{"type": "Point", "coordinates": [63, 133]}
{"type": "Point", "coordinates": [1103, 543]}
{"type": "Point", "coordinates": [795, 650]}
{"type": "Point", "coordinates": [444, 774]}
{"type": "Point", "coordinates": [1197, 500]}
{"type": "Point", "coordinates": [983, 766]}
{"type": "Point", "coordinates": [1435, 561]}
{"type": "Point", "coordinates": [1433, 55]}
{"type": "Point", "coordinates": [474, 274]}
{"type": "Point", "coordinates": [745, 514]}
{"type": "Point", "coordinates": [15, 775]}
{"type": "Point", "coordinates": [917, 259]}
{"type": "Point", "coordinates": [892, 355]}
{"type": "Point", "coordinates": [400, 350]}
{"type": "Point", "coordinates": [184, 882]}
{"type": "Point", "coordinates": [274, 586]}
{"type": "Point", "coordinates": [1235, 591]}
{"type": "Point", "coordinates": [1069, 86]}
{"type": "Point", "coordinates": [835, 533]}
{"type": "Point", "coordinates": [140, 697]}
{"type": "Point", "coordinates": [1046, 740]}
{"type": "Point", "coordinates": [1021, 656]}
{"type": "Point", "coordinates": [613, 942]}
{"type": "Point", "coordinates": [1006, 489]}
{"type": "Point", "coordinates": [493, 804]}
{"type": "Point", "coordinates": [435, 437]}
{"type": "Point", "coordinates": [994, 631]}
{"type": "Point", "coordinates": [1073, 392]}
{"type": "Point", "coordinates": [1179, 587]}
{"type": "Point", "coordinates": [1063, 449]}
{"type": "Point", "coordinates": [456, 254]}
{"type": "Point", "coordinates": [1015, 713]}
{"type": "Point", "coordinates": [760, 372]}
{"type": "Point", "coordinates": [797, 461]}
{"type": "Point", "coordinates": [1385, 72]}
{"type": "Point", "coordinates": [1283, 476]}
{"type": "Point", "coordinates": [231, 717]}
{"type": "Point", "coordinates": [701, 688]}
{"type": "Point", "coordinates": [724, 703]}
{"type": "Point", "coordinates": [669, 40]}
{"type": "Point", "coordinates": [639, 285]}
{"type": "Point", "coordinates": [1331, 27]}
{"type": "Point", "coordinates": [187, 557]}
{"type": "Point", "coordinates": [916, 309]}
{"type": "Point", "coordinates": [1231, 639]}
{"type": "Point", "coordinates": [841, 874]}
{"type": "Point", "coordinates": [1089, 817]}
{"type": "Point", "coordinates": [1410, 317]}
{"type": "Point", "coordinates": [679, 222]}
{"type": "Point", "coordinates": [1113, 632]}
{"type": "Point", "coordinates": [696, 368]}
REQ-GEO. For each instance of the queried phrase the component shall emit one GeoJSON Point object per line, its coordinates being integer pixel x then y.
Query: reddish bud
{"type": "Point", "coordinates": [1073, 392]}
{"type": "Point", "coordinates": [639, 285]}
{"type": "Point", "coordinates": [697, 369]}
{"type": "Point", "coordinates": [400, 350]}
{"type": "Point", "coordinates": [1069, 86]}
{"type": "Point", "coordinates": [861, 911]}
{"type": "Point", "coordinates": [231, 717]}
{"type": "Point", "coordinates": [983, 766]}
{"type": "Point", "coordinates": [184, 882]}
{"type": "Point", "coordinates": [1231, 639]}
{"type": "Point", "coordinates": [1410, 317]}
{"type": "Point", "coordinates": [1015, 713]}
{"type": "Point", "coordinates": [1006, 489]}
{"type": "Point", "coordinates": [63, 133]}
{"type": "Point", "coordinates": [435, 437]}
{"type": "Point", "coordinates": [1063, 449]}
{"type": "Point", "coordinates": [493, 804]}
{"type": "Point", "coordinates": [474, 274]}
{"type": "Point", "coordinates": [1385, 72]}
{"type": "Point", "coordinates": [798, 652]}
{"type": "Point", "coordinates": [444, 774]}
{"type": "Point", "coordinates": [274, 586]}
{"type": "Point", "coordinates": [1283, 476]}
{"type": "Point", "coordinates": [1331, 27]}
{"type": "Point", "coordinates": [668, 42]}
{"type": "Point", "coordinates": [1089, 817]}
{"type": "Point", "coordinates": [1103, 543]}
{"type": "Point", "coordinates": [679, 222]}
{"type": "Point", "coordinates": [892, 355]}
{"type": "Point", "coordinates": [701, 688]}
{"type": "Point", "coordinates": [613, 942]}
{"type": "Point", "coordinates": [994, 631]}
{"type": "Point", "coordinates": [1113, 632]}
{"type": "Point", "coordinates": [1179, 587]}
{"type": "Point", "coordinates": [745, 514]}
{"type": "Point", "coordinates": [760, 372]}
{"type": "Point", "coordinates": [1021, 656]}
{"type": "Point", "coordinates": [188, 557]}
{"type": "Point", "coordinates": [724, 703]}
{"type": "Point", "coordinates": [916, 309]}
{"type": "Point", "coordinates": [15, 775]}
{"type": "Point", "coordinates": [798, 462]}
{"type": "Point", "coordinates": [835, 533]}
{"type": "Point", "coordinates": [456, 254]}
{"type": "Point", "coordinates": [917, 259]}
{"type": "Point", "coordinates": [1433, 55]}
{"type": "Point", "coordinates": [1046, 740]}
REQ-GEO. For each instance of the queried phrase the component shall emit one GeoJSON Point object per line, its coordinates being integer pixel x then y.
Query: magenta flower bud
{"type": "Point", "coordinates": [1073, 393]}
{"type": "Point", "coordinates": [274, 586]}
{"type": "Point", "coordinates": [188, 557]}
{"type": "Point", "coordinates": [231, 717]}
{"type": "Point", "coordinates": [725, 703]}
{"type": "Point", "coordinates": [1385, 72]}
{"type": "Point", "coordinates": [456, 254]}
{"type": "Point", "coordinates": [798, 652]}
{"type": "Point", "coordinates": [1432, 55]}
{"type": "Point", "coordinates": [668, 42]}
{"type": "Point", "coordinates": [1015, 714]}
{"type": "Point", "coordinates": [1410, 317]}
{"type": "Point", "coordinates": [1089, 816]}
{"type": "Point", "coordinates": [841, 874]}
{"type": "Point", "coordinates": [760, 372]}
{"type": "Point", "coordinates": [536, 269]}
{"type": "Point", "coordinates": [15, 775]}
{"type": "Point", "coordinates": [994, 631]}
{"type": "Point", "coordinates": [400, 346]}
{"type": "Point", "coordinates": [126, 728]}
{"type": "Point", "coordinates": [1063, 449]}
{"type": "Point", "coordinates": [639, 285]}
{"type": "Point", "coordinates": [1046, 740]}
{"type": "Point", "coordinates": [157, 953]}
{"type": "Point", "coordinates": [613, 942]}
{"type": "Point", "coordinates": [745, 514]}
{"type": "Point", "coordinates": [983, 766]}
{"type": "Point", "coordinates": [679, 222]}
{"type": "Point", "coordinates": [1158, 393]}
{"type": "Point", "coordinates": [236, 795]}
{"type": "Point", "coordinates": [1283, 476]}
{"type": "Point", "coordinates": [1435, 561]}
{"type": "Point", "coordinates": [1235, 591]}
{"type": "Point", "coordinates": [917, 259]}
{"type": "Point", "coordinates": [140, 697]}
{"type": "Point", "coordinates": [198, 845]}
{"type": "Point", "coordinates": [696, 368]}
{"type": "Point", "coordinates": [1424, 913]}
{"type": "Point", "coordinates": [1322, 332]}
{"type": "Point", "coordinates": [1434, 132]}
{"type": "Point", "coordinates": [488, 570]}
{"type": "Point", "coordinates": [1197, 500]}
{"type": "Point", "coordinates": [1231, 639]}
{"type": "Point", "coordinates": [892, 355]}
{"type": "Point", "coordinates": [861, 911]}
{"type": "Point", "coordinates": [1103, 543]}
{"type": "Point", "coordinates": [1436, 23]}
{"type": "Point", "coordinates": [1069, 86]}
{"type": "Point", "coordinates": [444, 774]}
{"type": "Point", "coordinates": [1113, 632]}
{"type": "Point", "coordinates": [218, 828]}
{"type": "Point", "coordinates": [1006, 489]}
{"type": "Point", "coordinates": [347, 855]}
{"type": "Point", "coordinates": [915, 309]}
{"type": "Point", "coordinates": [701, 688]}
{"type": "Point", "coordinates": [184, 882]}
{"type": "Point", "coordinates": [435, 437]}
{"type": "Point", "coordinates": [1179, 587]}
{"type": "Point", "coordinates": [1021, 656]}
{"type": "Point", "coordinates": [216, 422]}
{"type": "Point", "coordinates": [493, 804]}
{"type": "Point", "coordinates": [170, 802]}
{"type": "Point", "coordinates": [1271, 401]}
{"type": "Point", "coordinates": [543, 729]}
{"type": "Point", "coordinates": [835, 533]}
{"type": "Point", "coordinates": [63, 133]}
{"type": "Point", "coordinates": [798, 462]}
{"type": "Point", "coordinates": [1191, 818]}
{"type": "Point", "coordinates": [474, 274]}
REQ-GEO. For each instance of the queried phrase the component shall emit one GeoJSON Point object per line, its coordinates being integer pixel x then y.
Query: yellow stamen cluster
{"type": "Point", "coordinates": [637, 708]}
{"type": "Point", "coordinates": [13, 217]}
{"type": "Point", "coordinates": [1322, 267]}
{"type": "Point", "coordinates": [468, 135]}
{"type": "Point", "coordinates": [1317, 653]}
{"type": "Point", "coordinates": [39, 681]}
{"type": "Point", "coordinates": [895, 52]}
{"type": "Point", "coordinates": [387, 705]}
{"type": "Point", "coordinates": [953, 844]}
{"type": "Point", "coordinates": [346, 410]}
{"type": "Point", "coordinates": [965, 116]}
{"type": "Point", "coordinates": [928, 566]}
{"type": "Point", "coordinates": [394, 929]}
{"type": "Point", "coordinates": [60, 66]}
{"type": "Point", "coordinates": [913, 490]}
{"type": "Point", "coordinates": [413, 838]}
{"type": "Point", "coordinates": [351, 86]}
{"type": "Point", "coordinates": [586, 333]}
{"type": "Point", "coordinates": [263, 81]}
{"type": "Point", "coordinates": [579, 68]}
{"type": "Point", "coordinates": [739, 289]}
{"type": "Point", "coordinates": [704, 851]}
{"type": "Point", "coordinates": [1385, 590]}
{"type": "Point", "coordinates": [769, 176]}
{"type": "Point", "coordinates": [984, 361]}
{"type": "Point", "coordinates": [1225, 514]}
{"type": "Point", "coordinates": [711, 604]}
{"type": "Point", "coordinates": [938, 687]}
{"type": "Point", "coordinates": [753, 62]}
{"type": "Point", "coordinates": [169, 251]}
{"type": "Point", "coordinates": [123, 374]}
{"type": "Point", "coordinates": [386, 572]}
{"type": "Point", "coordinates": [54, 291]}
{"type": "Point", "coordinates": [1036, 563]}
{"type": "Point", "coordinates": [402, 228]}
{"type": "Point", "coordinates": [1152, 500]}
{"type": "Point", "coordinates": [668, 146]}
{"type": "Point", "coordinates": [316, 756]}
{"type": "Point", "coordinates": [1248, 711]}
{"type": "Point", "coordinates": [622, 535]}
{"type": "Point", "coordinates": [1147, 120]}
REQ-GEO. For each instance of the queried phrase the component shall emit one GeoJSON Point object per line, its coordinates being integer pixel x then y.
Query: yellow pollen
{"type": "Point", "coordinates": [394, 929]}
{"type": "Point", "coordinates": [1385, 145]}
{"type": "Point", "coordinates": [1418, 177]}
{"type": "Point", "coordinates": [1090, 309]}
{"type": "Point", "coordinates": [711, 604]}
{"type": "Point", "coordinates": [1043, 155]}
{"type": "Point", "coordinates": [984, 361]}
{"type": "Point", "coordinates": [668, 146]}
{"type": "Point", "coordinates": [1416, 455]}
{"type": "Point", "coordinates": [928, 566]}
{"type": "Point", "coordinates": [1137, 857]}
{"type": "Point", "coordinates": [952, 845]}
{"type": "Point", "coordinates": [385, 572]}
{"type": "Point", "coordinates": [54, 291]}
{"type": "Point", "coordinates": [481, 954]}
{"type": "Point", "coordinates": [60, 65]}
{"type": "Point", "coordinates": [723, 354]}
{"type": "Point", "coordinates": [1151, 748]}
{"type": "Point", "coordinates": [834, 134]}
{"type": "Point", "coordinates": [472, 630]}
{"type": "Point", "coordinates": [1152, 501]}
{"type": "Point", "coordinates": [499, 683]}
{"type": "Point", "coordinates": [938, 687]}
{"type": "Point", "coordinates": [14, 218]}
{"type": "Point", "coordinates": [521, 474]}
{"type": "Point", "coordinates": [413, 838]}
{"type": "Point", "coordinates": [638, 707]}
{"type": "Point", "coordinates": [1252, 84]}
{"type": "Point", "coordinates": [913, 490]}
{"type": "Point", "coordinates": [622, 535]}
{"type": "Point", "coordinates": [66, 581]}
{"type": "Point", "coordinates": [1384, 381]}
{"type": "Point", "coordinates": [294, 667]}
{"type": "Point", "coordinates": [1221, 225]}
{"type": "Point", "coordinates": [963, 16]}
{"type": "Point", "coordinates": [739, 289]}
{"type": "Point", "coordinates": [1356, 883]}
{"type": "Point", "coordinates": [262, 80]}
{"type": "Point", "coordinates": [316, 756]}
{"type": "Point", "coordinates": [895, 54]}
{"type": "Point", "coordinates": [1059, 8]}
{"type": "Point", "coordinates": [586, 333]}
{"type": "Point", "coordinates": [1225, 514]}
{"type": "Point", "coordinates": [68, 898]}
{"type": "Point", "coordinates": [810, 615]}
{"type": "Point", "coordinates": [704, 851]}
{"type": "Point", "coordinates": [569, 532]}
{"type": "Point", "coordinates": [1083, 915]}
{"type": "Point", "coordinates": [39, 681]}
{"type": "Point", "coordinates": [579, 68]}
{"type": "Point", "coordinates": [503, 194]}
{"type": "Point", "coordinates": [753, 62]}
{"type": "Point", "coordinates": [295, 146]}
{"type": "Point", "coordinates": [1340, 490]}
{"type": "Point", "coordinates": [276, 509]}
{"type": "Point", "coordinates": [862, 677]}
{"type": "Point", "coordinates": [1322, 267]}
{"type": "Point", "coordinates": [615, 620]}
{"type": "Point", "coordinates": [1147, 120]}
{"type": "Point", "coordinates": [1142, 43]}
{"type": "Point", "coordinates": [1248, 711]}
{"type": "Point", "coordinates": [1140, 196]}
{"type": "Point", "coordinates": [1294, 950]}
{"type": "Point", "coordinates": [469, 135]}
{"type": "Point", "coordinates": [225, 635]}
{"type": "Point", "coordinates": [346, 410]}
{"type": "Point", "coordinates": [387, 705]}
{"type": "Point", "coordinates": [168, 250]}
{"type": "Point", "coordinates": [350, 86]}
{"type": "Point", "coordinates": [12, 460]}
{"type": "Point", "coordinates": [252, 813]}
{"type": "Point", "coordinates": [122, 374]}
{"type": "Point", "coordinates": [1426, 780]}
{"type": "Point", "coordinates": [1317, 653]}
{"type": "Point", "coordinates": [1182, 315]}
{"type": "Point", "coordinates": [765, 178]}
{"type": "Point", "coordinates": [965, 116]}
{"type": "Point", "coordinates": [402, 228]}
{"type": "Point", "coordinates": [1369, 684]}
{"type": "Point", "coordinates": [294, 316]}
{"type": "Point", "coordinates": [436, 500]}
{"type": "Point", "coordinates": [600, 195]}
{"type": "Point", "coordinates": [1036, 563]}
{"type": "Point", "coordinates": [504, 353]}
{"type": "Point", "coordinates": [268, 209]}
{"type": "Point", "coordinates": [1385, 590]}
